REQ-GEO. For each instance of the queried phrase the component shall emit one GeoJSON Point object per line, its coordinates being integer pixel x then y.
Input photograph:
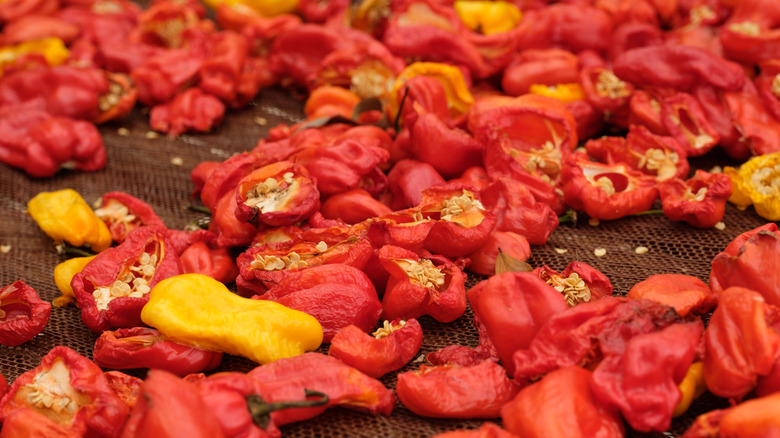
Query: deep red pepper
{"type": "Point", "coordinates": [751, 34]}
{"type": "Point", "coordinates": [418, 287]}
{"type": "Point", "coordinates": [518, 211]}
{"type": "Point", "coordinates": [466, 356]}
{"type": "Point", "coordinates": [123, 213]}
{"type": "Point", "coordinates": [23, 423]}
{"type": "Point", "coordinates": [14, 10]}
{"type": "Point", "coordinates": [142, 347]}
{"type": "Point", "coordinates": [750, 263]}
{"type": "Point", "coordinates": [189, 110]}
{"type": "Point", "coordinates": [754, 121]}
{"type": "Point", "coordinates": [699, 201]}
{"type": "Point", "coordinates": [549, 66]}
{"type": "Point", "coordinates": [387, 349]}
{"type": "Point", "coordinates": [452, 391]}
{"type": "Point", "coordinates": [687, 294]}
{"type": "Point", "coordinates": [164, 74]}
{"type": "Point", "coordinates": [685, 120]}
{"type": "Point", "coordinates": [204, 257]}
{"type": "Point", "coordinates": [221, 72]}
{"type": "Point", "coordinates": [498, 244]}
{"type": "Point", "coordinates": [229, 230]}
{"type": "Point", "coordinates": [645, 110]}
{"type": "Point", "coordinates": [353, 206]}
{"type": "Point", "coordinates": [112, 289]}
{"type": "Point", "coordinates": [125, 386]}
{"type": "Point", "coordinates": [487, 430]}
{"type": "Point", "coordinates": [3, 386]}
{"type": "Point", "coordinates": [578, 283]}
{"type": "Point", "coordinates": [70, 390]}
{"type": "Point", "coordinates": [449, 150]}
{"type": "Point", "coordinates": [768, 86]}
{"type": "Point", "coordinates": [23, 315]}
{"type": "Point", "coordinates": [407, 179]}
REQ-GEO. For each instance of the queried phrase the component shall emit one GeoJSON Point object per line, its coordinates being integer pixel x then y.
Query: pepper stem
{"type": "Point", "coordinates": [200, 209]}
{"type": "Point", "coordinates": [261, 410]}
{"type": "Point", "coordinates": [642, 213]}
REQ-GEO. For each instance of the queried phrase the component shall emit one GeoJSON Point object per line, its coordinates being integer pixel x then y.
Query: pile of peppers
{"type": "Point", "coordinates": [442, 139]}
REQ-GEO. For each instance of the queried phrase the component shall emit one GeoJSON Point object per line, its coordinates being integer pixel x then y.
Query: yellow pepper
{"type": "Point", "coordinates": [564, 92]}
{"type": "Point", "coordinates": [488, 17]}
{"type": "Point", "coordinates": [63, 274]}
{"type": "Point", "coordinates": [757, 182]}
{"type": "Point", "coordinates": [691, 387]}
{"type": "Point", "coordinates": [459, 98]}
{"type": "Point", "coordinates": [197, 310]}
{"type": "Point", "coordinates": [65, 216]}
{"type": "Point", "coordinates": [269, 8]}
{"type": "Point", "coordinates": [52, 49]}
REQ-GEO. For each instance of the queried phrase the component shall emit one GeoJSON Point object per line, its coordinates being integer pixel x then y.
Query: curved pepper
{"type": "Point", "coordinates": [487, 430]}
{"type": "Point", "coordinates": [488, 17]}
{"type": "Point", "coordinates": [197, 310]}
{"type": "Point", "coordinates": [53, 51]}
{"type": "Point", "coordinates": [532, 69]}
{"type": "Point", "coordinates": [189, 110]}
{"type": "Point", "coordinates": [389, 348]}
{"type": "Point", "coordinates": [686, 121]}
{"type": "Point", "coordinates": [65, 216]}
{"type": "Point", "coordinates": [687, 294]}
{"type": "Point", "coordinates": [578, 283]}
{"type": "Point", "coordinates": [23, 315]}
{"type": "Point", "coordinates": [123, 213]}
{"type": "Point", "coordinates": [755, 182]}
{"type": "Point", "coordinates": [353, 206]}
{"type": "Point", "coordinates": [217, 263]}
{"type": "Point", "coordinates": [459, 98]}
{"type": "Point", "coordinates": [407, 179]}
{"type": "Point", "coordinates": [24, 423]}
{"type": "Point", "coordinates": [752, 264]}
{"type": "Point", "coordinates": [498, 244]}
{"type": "Point", "coordinates": [566, 93]}
{"type": "Point", "coordinates": [518, 211]}
{"type": "Point", "coordinates": [3, 386]}
{"type": "Point", "coordinates": [63, 275]}
{"type": "Point", "coordinates": [452, 391]}
{"type": "Point", "coordinates": [69, 390]}
{"type": "Point", "coordinates": [143, 347]}
{"type": "Point", "coordinates": [691, 387]}
{"type": "Point", "coordinates": [699, 201]}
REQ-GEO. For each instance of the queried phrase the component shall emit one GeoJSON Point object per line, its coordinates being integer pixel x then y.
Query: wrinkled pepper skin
{"type": "Point", "coordinates": [23, 315]}
{"type": "Point", "coordinates": [63, 275]}
{"type": "Point", "coordinates": [123, 213]}
{"type": "Point", "coordinates": [190, 110]}
{"type": "Point", "coordinates": [498, 244]}
{"type": "Point", "coordinates": [452, 391]}
{"type": "Point", "coordinates": [687, 294]}
{"type": "Point", "coordinates": [197, 310]}
{"type": "Point", "coordinates": [24, 422]}
{"type": "Point", "coordinates": [752, 265]}
{"type": "Point", "coordinates": [217, 263]}
{"type": "Point", "coordinates": [754, 185]}
{"type": "Point", "coordinates": [387, 349]}
{"type": "Point", "coordinates": [561, 404]}
{"type": "Point", "coordinates": [3, 386]}
{"type": "Point", "coordinates": [143, 347]}
{"type": "Point", "coordinates": [125, 386]}
{"type": "Point", "coordinates": [699, 201]}
{"type": "Point", "coordinates": [578, 283]}
{"type": "Point", "coordinates": [65, 216]}
{"type": "Point", "coordinates": [90, 406]}
{"type": "Point", "coordinates": [112, 288]}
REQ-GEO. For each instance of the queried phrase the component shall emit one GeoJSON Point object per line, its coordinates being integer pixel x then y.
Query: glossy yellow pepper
{"type": "Point", "coordinates": [691, 387]}
{"type": "Point", "coordinates": [757, 182]}
{"type": "Point", "coordinates": [564, 92]}
{"type": "Point", "coordinates": [52, 49]}
{"type": "Point", "coordinates": [268, 8]}
{"type": "Point", "coordinates": [63, 274]}
{"type": "Point", "coordinates": [488, 17]}
{"type": "Point", "coordinates": [459, 98]}
{"type": "Point", "coordinates": [197, 310]}
{"type": "Point", "coordinates": [65, 216]}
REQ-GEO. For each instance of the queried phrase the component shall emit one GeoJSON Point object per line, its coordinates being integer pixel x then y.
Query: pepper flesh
{"type": "Point", "coordinates": [64, 216]}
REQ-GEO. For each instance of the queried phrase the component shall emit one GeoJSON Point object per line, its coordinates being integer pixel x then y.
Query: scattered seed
{"type": "Point", "coordinates": [561, 250]}
{"type": "Point", "coordinates": [641, 249]}
{"type": "Point", "coordinates": [720, 226]}
{"type": "Point", "coordinates": [5, 249]}
{"type": "Point", "coordinates": [716, 169]}
{"type": "Point", "coordinates": [262, 121]}
{"type": "Point", "coordinates": [177, 161]}
{"type": "Point", "coordinates": [151, 135]}
{"type": "Point", "coordinates": [124, 132]}
{"type": "Point", "coordinates": [593, 222]}
{"type": "Point", "coordinates": [600, 252]}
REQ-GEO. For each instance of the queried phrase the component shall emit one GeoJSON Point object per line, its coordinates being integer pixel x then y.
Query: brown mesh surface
{"type": "Point", "coordinates": [142, 167]}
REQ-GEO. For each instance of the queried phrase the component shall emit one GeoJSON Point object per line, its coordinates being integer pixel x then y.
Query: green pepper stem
{"type": "Point", "coordinates": [642, 213]}
{"type": "Point", "coordinates": [200, 209]}
{"type": "Point", "coordinates": [260, 410]}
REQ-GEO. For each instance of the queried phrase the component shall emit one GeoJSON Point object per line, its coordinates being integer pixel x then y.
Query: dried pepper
{"type": "Point", "coordinates": [687, 294]}
{"type": "Point", "coordinates": [65, 216]}
{"type": "Point", "coordinates": [755, 183]}
{"type": "Point", "coordinates": [578, 283]}
{"type": "Point", "coordinates": [23, 315]}
{"type": "Point", "coordinates": [123, 212]}
{"type": "Point", "coordinates": [699, 201]}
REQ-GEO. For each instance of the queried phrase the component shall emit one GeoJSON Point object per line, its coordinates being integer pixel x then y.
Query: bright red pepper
{"type": "Point", "coordinates": [69, 390]}
{"type": "Point", "coordinates": [719, 116]}
{"type": "Point", "coordinates": [512, 307]}
{"type": "Point", "coordinates": [23, 423]}
{"type": "Point", "coordinates": [645, 110]}
{"type": "Point", "coordinates": [123, 213]}
{"type": "Point", "coordinates": [750, 263]}
{"type": "Point", "coordinates": [452, 391]}
{"type": "Point", "coordinates": [562, 402]}
{"type": "Point", "coordinates": [607, 93]}
{"type": "Point", "coordinates": [125, 386]}
{"type": "Point", "coordinates": [3, 386]}
{"type": "Point", "coordinates": [23, 315]}
{"type": "Point", "coordinates": [405, 228]}
{"type": "Point", "coordinates": [498, 244]}
{"type": "Point", "coordinates": [518, 211]}
{"type": "Point", "coordinates": [751, 34]}
{"type": "Point", "coordinates": [685, 120]}
{"type": "Point", "coordinates": [407, 179]}
{"type": "Point", "coordinates": [353, 206]}
{"type": "Point", "coordinates": [449, 150]}
{"type": "Point", "coordinates": [768, 86]}
{"type": "Point", "coordinates": [112, 289]}
{"type": "Point", "coordinates": [189, 110]}
{"type": "Point", "coordinates": [163, 75]}
{"type": "Point", "coordinates": [539, 66]}
{"type": "Point", "coordinates": [487, 430]}
{"type": "Point", "coordinates": [142, 347]}
{"type": "Point", "coordinates": [388, 349]}
{"type": "Point", "coordinates": [203, 257]}
{"type": "Point", "coordinates": [229, 230]}
{"type": "Point", "coordinates": [466, 356]}
{"type": "Point", "coordinates": [579, 282]}
{"type": "Point", "coordinates": [754, 121]}
{"type": "Point", "coordinates": [14, 10]}
{"type": "Point", "coordinates": [687, 294]}
{"type": "Point", "coordinates": [418, 287]}
{"type": "Point", "coordinates": [699, 201]}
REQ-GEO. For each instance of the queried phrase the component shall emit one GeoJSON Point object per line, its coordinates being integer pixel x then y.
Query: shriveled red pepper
{"type": "Point", "coordinates": [512, 307]}
{"type": "Point", "coordinates": [750, 35]}
{"type": "Point", "coordinates": [605, 191]}
{"type": "Point", "coordinates": [498, 244]}
{"type": "Point", "coordinates": [23, 423]}
{"type": "Point", "coordinates": [387, 349]}
{"type": "Point", "coordinates": [125, 386]}
{"type": "Point", "coordinates": [449, 150]}
{"type": "Point", "coordinates": [699, 201]}
{"type": "Point", "coordinates": [452, 391]}
{"type": "Point", "coordinates": [754, 121]}
{"type": "Point", "coordinates": [749, 262]}
{"type": "Point", "coordinates": [69, 390]}
{"type": "Point", "coordinates": [607, 93]}
{"type": "Point", "coordinates": [687, 294]}
{"type": "Point", "coordinates": [337, 295]}
{"type": "Point", "coordinates": [142, 347]}
{"type": "Point", "coordinates": [549, 66]}
{"type": "Point", "coordinates": [112, 289]}
{"type": "Point", "coordinates": [3, 386]}
{"type": "Point", "coordinates": [345, 386]}
{"type": "Point", "coordinates": [686, 121]}
{"type": "Point", "coordinates": [561, 401]}
{"type": "Point", "coordinates": [353, 206]}
{"type": "Point", "coordinates": [518, 211]}
{"type": "Point", "coordinates": [578, 283]}
{"type": "Point", "coordinates": [123, 213]}
{"type": "Point", "coordinates": [23, 315]}
{"type": "Point", "coordinates": [753, 418]}
{"type": "Point", "coordinates": [205, 257]}
{"type": "Point", "coordinates": [190, 110]}
{"type": "Point", "coordinates": [407, 179]}
{"type": "Point", "coordinates": [281, 193]}
{"type": "Point", "coordinates": [487, 430]}
{"type": "Point", "coordinates": [418, 287]}
{"type": "Point", "coordinates": [229, 230]}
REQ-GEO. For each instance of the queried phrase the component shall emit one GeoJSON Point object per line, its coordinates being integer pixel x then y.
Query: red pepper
{"type": "Point", "coordinates": [417, 287]}
{"type": "Point", "coordinates": [229, 230]}
{"type": "Point", "coordinates": [10, 11]}
{"type": "Point", "coordinates": [751, 35]}
{"type": "Point", "coordinates": [112, 289]}
{"type": "Point", "coordinates": [715, 108]}
{"type": "Point", "coordinates": [768, 86]}
{"type": "Point", "coordinates": [171, 407]}
{"type": "Point", "coordinates": [69, 390]}
{"type": "Point", "coordinates": [466, 356]}
{"type": "Point", "coordinates": [353, 206]}
{"type": "Point", "coordinates": [498, 244]}
{"type": "Point", "coordinates": [687, 294]}
{"type": "Point", "coordinates": [449, 150]}
{"type": "Point", "coordinates": [754, 121]}
{"type": "Point", "coordinates": [23, 315]}
{"type": "Point", "coordinates": [452, 391]}
{"type": "Point", "coordinates": [607, 93]}
{"type": "Point", "coordinates": [512, 307]}
{"type": "Point", "coordinates": [632, 33]}
{"type": "Point", "coordinates": [549, 66]}
{"type": "Point", "coordinates": [3, 386]}
{"type": "Point", "coordinates": [23, 423]}
{"type": "Point", "coordinates": [190, 110]}
{"type": "Point", "coordinates": [163, 75]}
{"type": "Point", "coordinates": [751, 264]}
{"type": "Point", "coordinates": [123, 213]}
{"type": "Point", "coordinates": [699, 201]}
{"type": "Point", "coordinates": [345, 386]}
{"type": "Point", "coordinates": [685, 120]}
{"type": "Point", "coordinates": [740, 344]}
{"type": "Point", "coordinates": [220, 73]}
{"type": "Point", "coordinates": [605, 191]}
{"type": "Point", "coordinates": [579, 282]}
{"type": "Point", "coordinates": [407, 179]}
{"type": "Point", "coordinates": [142, 347]}
{"type": "Point", "coordinates": [518, 211]}
{"type": "Point", "coordinates": [203, 257]}
{"type": "Point", "coordinates": [125, 386]}
{"type": "Point", "coordinates": [223, 178]}
{"type": "Point", "coordinates": [645, 110]}
{"type": "Point", "coordinates": [388, 349]}
{"type": "Point", "coordinates": [487, 430]}
{"type": "Point", "coordinates": [561, 401]}
{"type": "Point", "coordinates": [753, 418]}
{"type": "Point", "coordinates": [642, 383]}
{"type": "Point", "coordinates": [337, 295]}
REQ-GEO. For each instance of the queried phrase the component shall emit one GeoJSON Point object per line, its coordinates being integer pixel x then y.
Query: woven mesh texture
{"type": "Point", "coordinates": [142, 167]}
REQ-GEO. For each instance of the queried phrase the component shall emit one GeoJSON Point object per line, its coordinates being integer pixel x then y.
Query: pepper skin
{"type": "Point", "coordinates": [579, 282]}
{"type": "Point", "coordinates": [452, 391]}
{"type": "Point", "coordinates": [754, 184]}
{"type": "Point", "coordinates": [699, 201]}
{"type": "Point", "coordinates": [65, 216]}
{"type": "Point", "coordinates": [687, 294]}
{"type": "Point", "coordinates": [3, 386]}
{"type": "Point", "coordinates": [498, 244]}
{"type": "Point", "coordinates": [23, 315]}
{"type": "Point", "coordinates": [353, 206]}
{"type": "Point", "coordinates": [487, 430]}
{"type": "Point", "coordinates": [63, 275]}
{"type": "Point", "coordinates": [143, 347]}
{"type": "Point", "coordinates": [201, 257]}
{"type": "Point", "coordinates": [69, 390]}
{"type": "Point", "coordinates": [751, 264]}
{"type": "Point", "coordinates": [123, 213]}
{"type": "Point", "coordinates": [387, 349]}
{"type": "Point", "coordinates": [197, 310]}
{"type": "Point", "coordinates": [190, 110]}
{"type": "Point", "coordinates": [518, 211]}
{"type": "Point", "coordinates": [24, 423]}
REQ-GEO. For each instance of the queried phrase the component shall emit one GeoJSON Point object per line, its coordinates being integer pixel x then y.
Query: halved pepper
{"type": "Point", "coordinates": [755, 182]}
{"type": "Point", "coordinates": [65, 216]}
{"type": "Point", "coordinates": [23, 315]}
{"type": "Point", "coordinates": [578, 283]}
{"type": "Point", "coordinates": [699, 201]}
{"type": "Point", "coordinates": [123, 213]}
